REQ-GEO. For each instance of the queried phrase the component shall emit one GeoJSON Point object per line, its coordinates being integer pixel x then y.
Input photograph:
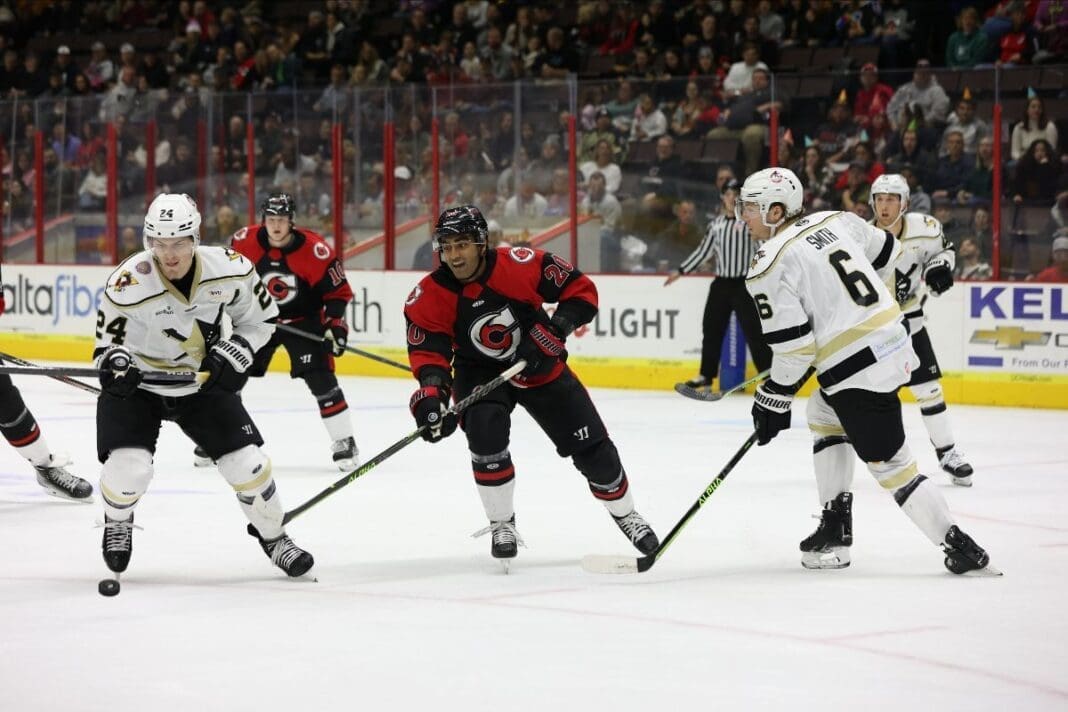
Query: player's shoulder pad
{"type": "Point", "coordinates": [134, 280]}
{"type": "Point", "coordinates": [426, 286]}
{"type": "Point", "coordinates": [222, 262]}
{"type": "Point", "coordinates": [771, 250]}
{"type": "Point", "coordinates": [921, 225]}
{"type": "Point", "coordinates": [317, 244]}
{"type": "Point", "coordinates": [519, 254]}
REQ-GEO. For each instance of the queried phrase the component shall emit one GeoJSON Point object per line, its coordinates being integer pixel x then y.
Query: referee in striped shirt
{"type": "Point", "coordinates": [728, 240]}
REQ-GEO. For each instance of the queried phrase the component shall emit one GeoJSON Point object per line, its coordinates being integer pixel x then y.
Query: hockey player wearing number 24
{"type": "Point", "coordinates": [161, 311]}
{"type": "Point", "coordinates": [481, 310]}
{"type": "Point", "coordinates": [819, 285]}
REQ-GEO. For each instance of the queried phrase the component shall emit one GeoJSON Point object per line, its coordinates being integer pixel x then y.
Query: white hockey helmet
{"type": "Point", "coordinates": [893, 184]}
{"type": "Point", "coordinates": [770, 186]}
{"type": "Point", "coordinates": [172, 215]}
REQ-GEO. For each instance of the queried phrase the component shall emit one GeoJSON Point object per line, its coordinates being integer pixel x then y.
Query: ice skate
{"type": "Point", "coordinates": [964, 556]}
{"type": "Point", "coordinates": [284, 554]}
{"type": "Point", "coordinates": [953, 462]}
{"type": "Point", "coordinates": [828, 546]}
{"type": "Point", "coordinates": [504, 540]}
{"type": "Point", "coordinates": [201, 458]}
{"type": "Point", "coordinates": [638, 531]}
{"type": "Point", "coordinates": [117, 543]}
{"type": "Point", "coordinates": [346, 454]}
{"type": "Point", "coordinates": [59, 482]}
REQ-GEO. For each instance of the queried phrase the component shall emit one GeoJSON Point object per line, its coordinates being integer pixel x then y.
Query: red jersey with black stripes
{"type": "Point", "coordinates": [481, 322]}
{"type": "Point", "coordinates": [305, 277]}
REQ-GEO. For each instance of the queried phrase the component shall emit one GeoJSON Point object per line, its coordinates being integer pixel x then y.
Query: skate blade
{"type": "Point", "coordinates": [347, 465]}
{"type": "Point", "coordinates": [203, 462]}
{"type": "Point", "coordinates": [961, 481]}
{"type": "Point", "coordinates": [506, 565]}
{"type": "Point", "coordinates": [60, 494]}
{"type": "Point", "coordinates": [837, 559]}
{"type": "Point", "coordinates": [985, 572]}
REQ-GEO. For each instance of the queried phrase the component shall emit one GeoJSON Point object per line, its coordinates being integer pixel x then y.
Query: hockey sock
{"type": "Point", "coordinates": [124, 479]}
{"type": "Point", "coordinates": [22, 432]}
{"type": "Point", "coordinates": [497, 500]}
{"type": "Point", "coordinates": [622, 505]}
{"type": "Point", "coordinates": [926, 507]}
{"type": "Point", "coordinates": [935, 418]}
{"type": "Point", "coordinates": [834, 461]}
{"type": "Point", "coordinates": [248, 471]}
{"type": "Point", "coordinates": [333, 409]}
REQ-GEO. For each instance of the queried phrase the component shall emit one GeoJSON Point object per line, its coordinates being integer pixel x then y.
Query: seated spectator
{"type": "Point", "coordinates": [1019, 43]}
{"type": "Point", "coordinates": [919, 200]}
{"type": "Point", "coordinates": [980, 229]}
{"type": "Point", "coordinates": [100, 70]}
{"type": "Point", "coordinates": [979, 186]}
{"type": "Point", "coordinates": [1034, 125]}
{"type": "Point", "coordinates": [661, 179]}
{"type": "Point", "coordinates": [857, 189]}
{"type": "Point", "coordinates": [527, 202]}
{"type": "Point", "coordinates": [336, 96]}
{"type": "Point", "coordinates": [1036, 178]}
{"type": "Point", "coordinates": [895, 34]}
{"type": "Point", "coordinates": [872, 98]}
{"type": "Point", "coordinates": [1058, 271]}
{"type": "Point", "coordinates": [549, 160]}
{"type": "Point", "coordinates": [861, 155]}
{"type": "Point", "coordinates": [688, 111]}
{"type": "Point", "coordinates": [739, 79]}
{"type": "Point", "coordinates": [94, 188]}
{"type": "Point", "coordinates": [598, 201]}
{"type": "Point", "coordinates": [559, 197]}
{"type": "Point", "coordinates": [1058, 214]}
{"type": "Point", "coordinates": [971, 128]}
{"type": "Point", "coordinates": [649, 121]}
{"type": "Point", "coordinates": [971, 265]}
{"type": "Point", "coordinates": [951, 227]}
{"type": "Point", "coordinates": [677, 241]}
{"type": "Point", "coordinates": [923, 91]}
{"type": "Point", "coordinates": [603, 131]}
{"type": "Point", "coordinates": [1051, 24]}
{"type": "Point", "coordinates": [603, 164]}
{"type": "Point", "coordinates": [746, 116]}
{"type": "Point", "coordinates": [953, 169]}
{"type": "Point", "coordinates": [559, 60]}
{"type": "Point", "coordinates": [370, 210]}
{"type": "Point", "coordinates": [968, 46]}
{"type": "Point", "coordinates": [817, 178]}
{"type": "Point", "coordinates": [839, 133]}
{"type": "Point", "coordinates": [622, 106]}
{"type": "Point", "coordinates": [910, 152]}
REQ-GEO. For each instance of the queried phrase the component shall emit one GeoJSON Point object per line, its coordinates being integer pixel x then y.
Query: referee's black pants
{"type": "Point", "coordinates": [726, 295]}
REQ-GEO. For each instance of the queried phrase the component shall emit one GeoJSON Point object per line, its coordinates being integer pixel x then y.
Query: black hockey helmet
{"type": "Point", "coordinates": [461, 220]}
{"type": "Point", "coordinates": [279, 204]}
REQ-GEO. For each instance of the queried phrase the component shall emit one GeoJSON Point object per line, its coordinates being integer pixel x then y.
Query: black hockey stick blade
{"type": "Point", "coordinates": [608, 564]}
{"type": "Point", "coordinates": [351, 349]}
{"type": "Point", "coordinates": [476, 394]}
{"type": "Point", "coordinates": [713, 396]}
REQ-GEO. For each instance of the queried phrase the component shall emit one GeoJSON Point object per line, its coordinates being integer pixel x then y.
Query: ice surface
{"type": "Point", "coordinates": [411, 613]}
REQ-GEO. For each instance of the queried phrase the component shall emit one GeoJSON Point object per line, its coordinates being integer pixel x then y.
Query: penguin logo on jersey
{"type": "Point", "coordinates": [281, 286]}
{"type": "Point", "coordinates": [493, 334]}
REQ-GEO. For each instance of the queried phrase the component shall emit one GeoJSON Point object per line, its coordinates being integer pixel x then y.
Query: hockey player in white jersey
{"type": "Point", "coordinates": [824, 306]}
{"type": "Point", "coordinates": [926, 264]}
{"type": "Point", "coordinates": [162, 310]}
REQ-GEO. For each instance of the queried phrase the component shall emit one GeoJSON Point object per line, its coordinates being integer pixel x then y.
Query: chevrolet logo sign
{"type": "Point", "coordinates": [1012, 338]}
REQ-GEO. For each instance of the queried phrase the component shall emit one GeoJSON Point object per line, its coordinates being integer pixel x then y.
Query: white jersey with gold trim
{"type": "Point", "coordinates": [922, 241]}
{"type": "Point", "coordinates": [143, 311]}
{"type": "Point", "coordinates": [820, 292]}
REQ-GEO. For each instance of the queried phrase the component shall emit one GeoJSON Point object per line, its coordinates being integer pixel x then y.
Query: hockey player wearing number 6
{"type": "Point", "coordinates": [818, 283]}
{"type": "Point", "coordinates": [161, 311]}
{"type": "Point", "coordinates": [926, 264]}
{"type": "Point", "coordinates": [307, 280]}
{"type": "Point", "coordinates": [480, 311]}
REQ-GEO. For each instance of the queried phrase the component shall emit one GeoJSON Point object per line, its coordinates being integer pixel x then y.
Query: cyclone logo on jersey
{"type": "Point", "coordinates": [493, 334]}
{"type": "Point", "coordinates": [281, 286]}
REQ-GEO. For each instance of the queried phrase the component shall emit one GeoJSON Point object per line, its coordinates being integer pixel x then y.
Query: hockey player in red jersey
{"type": "Point", "coordinates": [308, 283]}
{"type": "Point", "coordinates": [480, 311]}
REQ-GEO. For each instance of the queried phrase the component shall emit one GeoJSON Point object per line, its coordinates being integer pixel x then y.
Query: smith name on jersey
{"type": "Point", "coordinates": [165, 331]}
{"type": "Point", "coordinates": [922, 241]}
{"type": "Point", "coordinates": [482, 322]}
{"type": "Point", "coordinates": [304, 277]}
{"type": "Point", "coordinates": [820, 289]}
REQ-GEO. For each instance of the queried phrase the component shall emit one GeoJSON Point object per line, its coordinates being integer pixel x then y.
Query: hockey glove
{"type": "Point", "coordinates": [227, 364]}
{"type": "Point", "coordinates": [771, 410]}
{"type": "Point", "coordinates": [540, 348]}
{"type": "Point", "coordinates": [119, 376]}
{"type": "Point", "coordinates": [337, 334]}
{"type": "Point", "coordinates": [430, 406]}
{"type": "Point", "coordinates": [939, 276]}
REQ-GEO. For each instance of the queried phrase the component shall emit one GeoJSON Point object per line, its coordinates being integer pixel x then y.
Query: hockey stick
{"type": "Point", "coordinates": [351, 349]}
{"type": "Point", "coordinates": [62, 379]}
{"type": "Point", "coordinates": [404, 442]}
{"type": "Point", "coordinates": [709, 397]}
{"type": "Point", "coordinates": [152, 377]}
{"type": "Point", "coordinates": [608, 564]}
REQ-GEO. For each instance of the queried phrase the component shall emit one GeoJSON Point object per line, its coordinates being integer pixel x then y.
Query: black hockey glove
{"type": "Point", "coordinates": [430, 406]}
{"type": "Point", "coordinates": [939, 276]}
{"type": "Point", "coordinates": [771, 410]}
{"type": "Point", "coordinates": [119, 376]}
{"type": "Point", "coordinates": [540, 348]}
{"type": "Point", "coordinates": [227, 364]}
{"type": "Point", "coordinates": [337, 334]}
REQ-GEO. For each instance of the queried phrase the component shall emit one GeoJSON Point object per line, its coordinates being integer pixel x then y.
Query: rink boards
{"type": "Point", "coordinates": [998, 343]}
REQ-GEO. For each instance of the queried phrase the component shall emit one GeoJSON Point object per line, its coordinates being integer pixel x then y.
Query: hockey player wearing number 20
{"type": "Point", "coordinates": [926, 264]}
{"type": "Point", "coordinates": [161, 311]}
{"type": "Point", "coordinates": [819, 285]}
{"type": "Point", "coordinates": [480, 311]}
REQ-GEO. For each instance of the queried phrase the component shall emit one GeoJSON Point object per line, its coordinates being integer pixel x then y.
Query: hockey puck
{"type": "Point", "coordinates": [108, 587]}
